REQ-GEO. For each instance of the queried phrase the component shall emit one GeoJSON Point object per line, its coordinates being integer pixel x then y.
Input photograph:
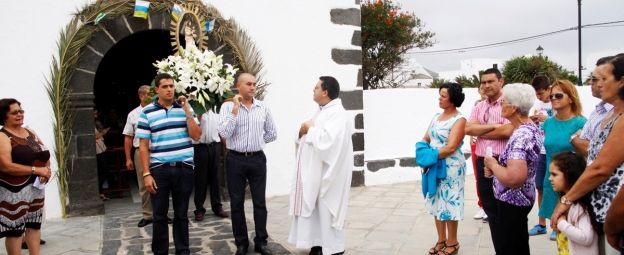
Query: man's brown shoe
{"type": "Point", "coordinates": [199, 216]}
{"type": "Point", "coordinates": [223, 214]}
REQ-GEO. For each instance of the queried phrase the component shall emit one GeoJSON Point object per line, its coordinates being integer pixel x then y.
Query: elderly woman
{"type": "Point", "coordinates": [557, 132]}
{"type": "Point", "coordinates": [514, 176]}
{"type": "Point", "coordinates": [605, 170]}
{"type": "Point", "coordinates": [23, 159]}
{"type": "Point", "coordinates": [446, 133]}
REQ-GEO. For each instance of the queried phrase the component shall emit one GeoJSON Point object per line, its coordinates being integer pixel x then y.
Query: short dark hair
{"type": "Point", "coordinates": [330, 84]}
{"type": "Point", "coordinates": [492, 71]}
{"type": "Point", "coordinates": [5, 107]}
{"type": "Point", "coordinates": [603, 60]}
{"type": "Point", "coordinates": [540, 82]}
{"type": "Point", "coordinates": [618, 71]}
{"type": "Point", "coordinates": [456, 95]}
{"type": "Point", "coordinates": [161, 76]}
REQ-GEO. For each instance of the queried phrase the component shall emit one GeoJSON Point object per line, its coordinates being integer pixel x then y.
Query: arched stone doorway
{"type": "Point", "coordinates": [81, 86]}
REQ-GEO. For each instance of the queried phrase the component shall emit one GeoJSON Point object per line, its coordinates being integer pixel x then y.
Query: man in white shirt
{"type": "Point", "coordinates": [131, 146]}
{"type": "Point", "coordinates": [207, 159]}
{"type": "Point", "coordinates": [320, 192]}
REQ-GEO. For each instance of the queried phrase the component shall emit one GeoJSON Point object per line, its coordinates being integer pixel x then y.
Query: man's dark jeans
{"type": "Point", "coordinates": [490, 205]}
{"type": "Point", "coordinates": [207, 159]}
{"type": "Point", "coordinates": [241, 169]}
{"type": "Point", "coordinates": [177, 181]}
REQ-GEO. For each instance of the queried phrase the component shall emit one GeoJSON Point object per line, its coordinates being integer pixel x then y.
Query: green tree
{"type": "Point", "coordinates": [387, 34]}
{"type": "Point", "coordinates": [464, 81]}
{"type": "Point", "coordinates": [523, 69]}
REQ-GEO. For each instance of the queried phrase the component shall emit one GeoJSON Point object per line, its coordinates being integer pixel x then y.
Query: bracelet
{"type": "Point", "coordinates": [32, 170]}
{"type": "Point", "coordinates": [147, 174]}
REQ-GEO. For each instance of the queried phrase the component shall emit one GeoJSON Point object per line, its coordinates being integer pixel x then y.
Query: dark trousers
{"type": "Point", "coordinates": [511, 222]}
{"type": "Point", "coordinates": [177, 181]}
{"type": "Point", "coordinates": [240, 170]}
{"type": "Point", "coordinates": [486, 194]}
{"type": "Point", "coordinates": [207, 158]}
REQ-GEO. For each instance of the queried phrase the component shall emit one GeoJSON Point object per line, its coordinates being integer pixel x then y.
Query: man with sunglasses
{"type": "Point", "coordinates": [580, 140]}
{"type": "Point", "coordinates": [492, 131]}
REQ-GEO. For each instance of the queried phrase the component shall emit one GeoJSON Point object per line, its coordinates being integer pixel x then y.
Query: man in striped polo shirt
{"type": "Point", "coordinates": [165, 128]}
{"type": "Point", "coordinates": [246, 125]}
{"type": "Point", "coordinates": [492, 130]}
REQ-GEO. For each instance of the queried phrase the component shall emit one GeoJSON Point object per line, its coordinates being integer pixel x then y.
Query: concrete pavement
{"type": "Point", "coordinates": [384, 219]}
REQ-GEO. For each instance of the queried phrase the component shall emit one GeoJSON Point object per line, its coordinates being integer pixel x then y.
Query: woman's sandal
{"type": "Point", "coordinates": [438, 247]}
{"type": "Point", "coordinates": [454, 249]}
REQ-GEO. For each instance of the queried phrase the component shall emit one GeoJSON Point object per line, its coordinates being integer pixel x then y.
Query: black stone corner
{"type": "Point", "coordinates": [407, 162]}
{"type": "Point", "coordinates": [356, 39]}
{"type": "Point", "coordinates": [137, 24]}
{"type": "Point", "coordinates": [359, 78]}
{"type": "Point", "coordinates": [358, 141]}
{"type": "Point", "coordinates": [347, 57]}
{"type": "Point", "coordinates": [117, 28]}
{"type": "Point", "coordinates": [375, 165]}
{"type": "Point", "coordinates": [358, 160]}
{"type": "Point", "coordinates": [89, 60]}
{"type": "Point", "coordinates": [160, 20]}
{"type": "Point", "coordinates": [349, 16]}
{"type": "Point", "coordinates": [352, 100]}
{"type": "Point", "coordinates": [101, 42]}
{"type": "Point", "coordinates": [359, 121]}
{"type": "Point", "coordinates": [357, 179]}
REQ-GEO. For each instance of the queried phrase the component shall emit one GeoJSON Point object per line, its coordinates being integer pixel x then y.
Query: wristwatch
{"type": "Point", "coordinates": [565, 201]}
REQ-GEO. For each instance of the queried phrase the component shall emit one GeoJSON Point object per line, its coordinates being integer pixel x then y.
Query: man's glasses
{"type": "Point", "coordinates": [17, 112]}
{"type": "Point", "coordinates": [557, 96]}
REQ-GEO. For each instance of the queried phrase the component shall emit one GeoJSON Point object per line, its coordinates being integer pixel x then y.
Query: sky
{"type": "Point", "coordinates": [465, 23]}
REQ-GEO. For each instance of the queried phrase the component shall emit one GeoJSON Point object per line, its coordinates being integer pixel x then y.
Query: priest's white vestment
{"type": "Point", "coordinates": [320, 190]}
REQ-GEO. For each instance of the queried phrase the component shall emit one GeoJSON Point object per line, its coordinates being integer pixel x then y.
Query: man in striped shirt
{"type": "Point", "coordinates": [492, 130]}
{"type": "Point", "coordinates": [247, 125]}
{"type": "Point", "coordinates": [165, 129]}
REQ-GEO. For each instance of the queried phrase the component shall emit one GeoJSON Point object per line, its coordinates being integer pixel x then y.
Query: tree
{"type": "Point", "coordinates": [465, 82]}
{"type": "Point", "coordinates": [387, 34]}
{"type": "Point", "coordinates": [523, 69]}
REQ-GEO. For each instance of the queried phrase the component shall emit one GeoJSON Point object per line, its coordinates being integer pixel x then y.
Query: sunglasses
{"type": "Point", "coordinates": [557, 96]}
{"type": "Point", "coordinates": [17, 112]}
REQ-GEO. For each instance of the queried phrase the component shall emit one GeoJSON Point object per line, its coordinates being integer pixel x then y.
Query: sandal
{"type": "Point", "coordinates": [438, 247]}
{"type": "Point", "coordinates": [104, 197]}
{"type": "Point", "coordinates": [454, 249]}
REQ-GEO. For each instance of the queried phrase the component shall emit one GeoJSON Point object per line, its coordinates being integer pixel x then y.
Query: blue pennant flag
{"type": "Point", "coordinates": [177, 11]}
{"type": "Point", "coordinates": [99, 17]}
{"type": "Point", "coordinates": [209, 26]}
{"type": "Point", "coordinates": [140, 9]}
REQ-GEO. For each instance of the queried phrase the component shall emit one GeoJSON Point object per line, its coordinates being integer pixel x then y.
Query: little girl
{"type": "Point", "coordinates": [579, 226]}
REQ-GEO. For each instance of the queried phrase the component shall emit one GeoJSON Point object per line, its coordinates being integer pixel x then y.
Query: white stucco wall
{"type": "Point", "coordinates": [295, 38]}
{"type": "Point", "coordinates": [395, 119]}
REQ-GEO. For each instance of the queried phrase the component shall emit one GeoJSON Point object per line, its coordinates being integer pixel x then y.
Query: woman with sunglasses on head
{"type": "Point", "coordinates": [558, 129]}
{"type": "Point", "coordinates": [24, 165]}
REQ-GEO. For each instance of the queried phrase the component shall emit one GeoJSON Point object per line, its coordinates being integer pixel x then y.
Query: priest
{"type": "Point", "coordinates": [320, 191]}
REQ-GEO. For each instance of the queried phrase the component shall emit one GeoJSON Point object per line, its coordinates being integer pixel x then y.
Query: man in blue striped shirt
{"type": "Point", "coordinates": [165, 129]}
{"type": "Point", "coordinates": [247, 125]}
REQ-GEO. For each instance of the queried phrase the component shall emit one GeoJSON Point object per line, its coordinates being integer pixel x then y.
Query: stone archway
{"type": "Point", "coordinates": [72, 83]}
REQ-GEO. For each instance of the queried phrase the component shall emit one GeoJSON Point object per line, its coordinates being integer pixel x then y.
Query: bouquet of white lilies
{"type": "Point", "coordinates": [200, 76]}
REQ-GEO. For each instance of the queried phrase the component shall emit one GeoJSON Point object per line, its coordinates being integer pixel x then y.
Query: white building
{"type": "Point", "coordinates": [470, 67]}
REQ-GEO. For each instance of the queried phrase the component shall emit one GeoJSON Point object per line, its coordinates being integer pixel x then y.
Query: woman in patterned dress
{"type": "Point", "coordinates": [23, 160]}
{"type": "Point", "coordinates": [446, 133]}
{"type": "Point", "coordinates": [514, 175]}
{"type": "Point", "coordinates": [605, 160]}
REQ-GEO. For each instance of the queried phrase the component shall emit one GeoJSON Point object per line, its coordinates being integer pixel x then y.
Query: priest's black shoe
{"type": "Point", "coordinates": [316, 250]}
{"type": "Point", "coordinates": [241, 250]}
{"type": "Point", "coordinates": [340, 253]}
{"type": "Point", "coordinates": [263, 249]}
{"type": "Point", "coordinates": [144, 222]}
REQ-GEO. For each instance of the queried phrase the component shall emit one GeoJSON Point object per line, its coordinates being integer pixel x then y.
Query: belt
{"type": "Point", "coordinates": [172, 164]}
{"type": "Point", "coordinates": [245, 154]}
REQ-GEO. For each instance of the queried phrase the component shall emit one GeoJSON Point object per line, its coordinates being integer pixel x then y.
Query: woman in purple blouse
{"type": "Point", "coordinates": [514, 175]}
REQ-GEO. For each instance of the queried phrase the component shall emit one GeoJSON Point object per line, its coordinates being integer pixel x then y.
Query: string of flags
{"type": "Point", "coordinates": [141, 10]}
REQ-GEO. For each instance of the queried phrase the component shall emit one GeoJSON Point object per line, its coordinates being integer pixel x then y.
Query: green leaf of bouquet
{"type": "Point", "coordinates": [197, 107]}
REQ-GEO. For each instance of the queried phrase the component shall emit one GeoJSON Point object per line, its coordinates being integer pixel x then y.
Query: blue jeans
{"type": "Point", "coordinates": [177, 181]}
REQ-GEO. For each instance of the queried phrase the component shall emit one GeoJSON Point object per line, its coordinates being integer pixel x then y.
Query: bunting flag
{"type": "Point", "coordinates": [99, 17]}
{"type": "Point", "coordinates": [140, 8]}
{"type": "Point", "coordinates": [209, 25]}
{"type": "Point", "coordinates": [177, 11]}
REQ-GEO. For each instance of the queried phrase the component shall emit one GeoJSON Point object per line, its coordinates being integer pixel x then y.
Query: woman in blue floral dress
{"type": "Point", "coordinates": [446, 133]}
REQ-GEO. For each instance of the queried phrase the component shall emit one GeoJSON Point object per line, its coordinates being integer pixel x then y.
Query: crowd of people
{"type": "Point", "coordinates": [531, 142]}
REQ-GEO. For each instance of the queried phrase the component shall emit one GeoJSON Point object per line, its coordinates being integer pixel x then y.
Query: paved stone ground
{"type": "Point", "coordinates": [382, 220]}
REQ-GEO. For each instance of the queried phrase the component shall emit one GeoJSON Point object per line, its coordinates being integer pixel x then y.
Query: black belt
{"type": "Point", "coordinates": [245, 154]}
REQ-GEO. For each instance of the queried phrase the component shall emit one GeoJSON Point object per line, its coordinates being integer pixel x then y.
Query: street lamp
{"type": "Point", "coordinates": [539, 50]}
